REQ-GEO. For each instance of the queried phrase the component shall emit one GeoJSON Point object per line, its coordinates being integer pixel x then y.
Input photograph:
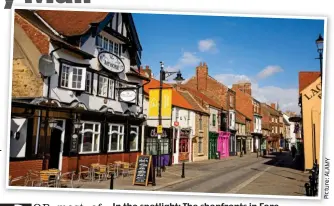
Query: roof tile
{"type": "Point", "coordinates": [306, 78]}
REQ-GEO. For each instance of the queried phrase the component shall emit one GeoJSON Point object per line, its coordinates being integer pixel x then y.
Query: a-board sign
{"type": "Point", "coordinates": [143, 171]}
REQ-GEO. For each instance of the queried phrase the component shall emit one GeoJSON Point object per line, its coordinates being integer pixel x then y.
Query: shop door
{"type": "Point", "coordinates": [212, 145]}
{"type": "Point", "coordinates": [184, 149]}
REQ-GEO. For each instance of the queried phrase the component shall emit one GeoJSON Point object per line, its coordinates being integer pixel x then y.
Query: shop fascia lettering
{"type": "Point", "coordinates": [316, 91]}
{"type": "Point", "coordinates": [154, 133]}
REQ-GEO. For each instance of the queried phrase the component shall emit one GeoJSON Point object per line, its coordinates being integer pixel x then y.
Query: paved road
{"type": "Point", "coordinates": [221, 177]}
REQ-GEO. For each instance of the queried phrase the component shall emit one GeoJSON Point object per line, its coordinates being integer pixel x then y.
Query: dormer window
{"type": "Point", "coordinates": [73, 77]}
{"type": "Point", "coordinates": [106, 44]}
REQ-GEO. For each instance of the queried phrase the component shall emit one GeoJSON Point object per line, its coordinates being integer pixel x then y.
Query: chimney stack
{"type": "Point", "coordinates": [273, 105]}
{"type": "Point", "coordinates": [202, 76]}
{"type": "Point", "coordinates": [245, 87]}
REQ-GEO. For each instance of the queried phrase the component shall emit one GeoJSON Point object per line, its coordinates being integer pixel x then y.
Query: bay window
{"type": "Point", "coordinates": [134, 136]}
{"type": "Point", "coordinates": [90, 137]}
{"type": "Point", "coordinates": [72, 77]}
{"type": "Point", "coordinates": [116, 137]}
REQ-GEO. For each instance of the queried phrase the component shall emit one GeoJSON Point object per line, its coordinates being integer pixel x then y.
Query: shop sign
{"type": "Point", "coordinates": [128, 95]}
{"type": "Point", "coordinates": [111, 62]}
{"type": "Point", "coordinates": [176, 124]}
{"type": "Point", "coordinates": [184, 133]}
{"type": "Point", "coordinates": [152, 132]}
{"type": "Point", "coordinates": [159, 129]}
{"type": "Point", "coordinates": [315, 91]}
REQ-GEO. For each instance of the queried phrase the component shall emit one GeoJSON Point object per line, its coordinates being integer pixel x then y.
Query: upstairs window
{"type": "Point", "coordinates": [214, 120]}
{"type": "Point", "coordinates": [73, 77]}
{"type": "Point", "coordinates": [106, 87]}
{"type": "Point", "coordinates": [108, 45]}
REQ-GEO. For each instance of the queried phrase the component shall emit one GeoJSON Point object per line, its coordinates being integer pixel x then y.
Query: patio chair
{"type": "Point", "coordinates": [101, 172]}
{"type": "Point", "coordinates": [112, 169]}
{"type": "Point", "coordinates": [66, 178]}
{"type": "Point", "coordinates": [84, 170]}
{"type": "Point", "coordinates": [126, 169]}
{"type": "Point", "coordinates": [45, 179]}
{"type": "Point", "coordinates": [32, 177]}
{"type": "Point", "coordinates": [18, 181]}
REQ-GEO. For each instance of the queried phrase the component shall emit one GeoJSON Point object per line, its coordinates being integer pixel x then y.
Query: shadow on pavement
{"type": "Point", "coordinates": [284, 160]}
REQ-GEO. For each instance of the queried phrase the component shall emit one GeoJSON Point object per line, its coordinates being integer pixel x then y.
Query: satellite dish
{"type": "Point", "coordinates": [46, 66]}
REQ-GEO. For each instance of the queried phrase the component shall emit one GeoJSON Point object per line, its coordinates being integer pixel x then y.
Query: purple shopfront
{"type": "Point", "coordinates": [223, 144]}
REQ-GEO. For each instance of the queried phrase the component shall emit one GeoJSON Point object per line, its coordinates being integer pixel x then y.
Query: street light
{"type": "Point", "coordinates": [320, 45]}
{"type": "Point", "coordinates": [163, 75]}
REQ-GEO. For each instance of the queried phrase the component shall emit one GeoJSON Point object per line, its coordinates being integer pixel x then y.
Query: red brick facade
{"type": "Point", "coordinates": [209, 86]}
{"type": "Point", "coordinates": [244, 103]}
{"type": "Point", "coordinates": [20, 168]}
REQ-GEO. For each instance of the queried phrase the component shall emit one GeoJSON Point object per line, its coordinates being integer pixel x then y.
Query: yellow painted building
{"type": "Point", "coordinates": [311, 115]}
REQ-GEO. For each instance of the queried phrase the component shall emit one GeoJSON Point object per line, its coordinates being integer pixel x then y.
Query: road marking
{"type": "Point", "coordinates": [250, 180]}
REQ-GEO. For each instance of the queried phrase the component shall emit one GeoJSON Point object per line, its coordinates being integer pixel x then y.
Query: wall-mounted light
{"type": "Point", "coordinates": [52, 123]}
{"type": "Point", "coordinates": [77, 124]}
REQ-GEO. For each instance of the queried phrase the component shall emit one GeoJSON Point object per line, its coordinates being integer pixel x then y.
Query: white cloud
{"type": "Point", "coordinates": [286, 98]}
{"type": "Point", "coordinates": [269, 71]}
{"type": "Point", "coordinates": [189, 59]}
{"type": "Point", "coordinates": [207, 45]}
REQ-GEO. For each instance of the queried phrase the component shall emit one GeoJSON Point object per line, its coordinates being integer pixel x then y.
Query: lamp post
{"type": "Point", "coordinates": [320, 45]}
{"type": "Point", "coordinates": [163, 75]}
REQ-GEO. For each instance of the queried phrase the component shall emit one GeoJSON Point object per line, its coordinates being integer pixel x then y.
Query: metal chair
{"type": "Point", "coordinates": [84, 170]}
{"type": "Point", "coordinates": [66, 178]}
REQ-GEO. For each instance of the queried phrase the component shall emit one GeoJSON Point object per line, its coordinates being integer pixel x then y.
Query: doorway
{"type": "Point", "coordinates": [56, 145]}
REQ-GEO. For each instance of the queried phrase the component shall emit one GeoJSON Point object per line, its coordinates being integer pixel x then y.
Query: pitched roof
{"type": "Point", "coordinates": [240, 118]}
{"type": "Point", "coordinates": [192, 101]}
{"type": "Point", "coordinates": [306, 78]}
{"type": "Point", "coordinates": [177, 99]}
{"type": "Point", "coordinates": [271, 110]}
{"type": "Point", "coordinates": [71, 23]}
{"type": "Point", "coordinates": [202, 96]}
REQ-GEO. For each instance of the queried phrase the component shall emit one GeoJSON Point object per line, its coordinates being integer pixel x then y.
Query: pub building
{"type": "Point", "coordinates": [90, 105]}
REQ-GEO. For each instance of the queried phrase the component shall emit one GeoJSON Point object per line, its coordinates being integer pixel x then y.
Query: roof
{"type": "Point", "coordinates": [177, 99]}
{"type": "Point", "coordinates": [306, 78]}
{"type": "Point", "coordinates": [202, 96]}
{"type": "Point", "coordinates": [271, 110]}
{"type": "Point", "coordinates": [192, 101]}
{"type": "Point", "coordinates": [240, 118]}
{"type": "Point", "coordinates": [71, 23]}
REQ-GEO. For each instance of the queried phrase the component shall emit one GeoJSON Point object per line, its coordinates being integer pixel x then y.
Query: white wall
{"type": "Point", "coordinates": [93, 102]}
{"type": "Point", "coordinates": [292, 135]}
{"type": "Point", "coordinates": [211, 127]}
{"type": "Point", "coordinates": [18, 146]}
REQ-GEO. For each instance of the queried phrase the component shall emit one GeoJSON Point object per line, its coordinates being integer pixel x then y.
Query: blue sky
{"type": "Point", "coordinates": [267, 52]}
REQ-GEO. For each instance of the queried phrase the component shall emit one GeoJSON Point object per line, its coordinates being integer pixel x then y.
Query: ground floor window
{"type": "Point", "coordinates": [238, 145]}
{"type": "Point", "coordinates": [151, 146]}
{"type": "Point", "coordinates": [90, 137]}
{"type": "Point", "coordinates": [200, 145]}
{"type": "Point", "coordinates": [134, 135]}
{"type": "Point", "coordinates": [116, 135]}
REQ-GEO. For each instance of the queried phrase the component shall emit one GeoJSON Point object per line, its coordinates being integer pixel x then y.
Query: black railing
{"type": "Point", "coordinates": [311, 187]}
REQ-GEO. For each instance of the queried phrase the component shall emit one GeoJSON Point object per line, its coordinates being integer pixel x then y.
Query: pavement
{"type": "Point", "coordinates": [273, 174]}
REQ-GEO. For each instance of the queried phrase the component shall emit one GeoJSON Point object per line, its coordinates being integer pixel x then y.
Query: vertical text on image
{"type": "Point", "coordinates": [326, 174]}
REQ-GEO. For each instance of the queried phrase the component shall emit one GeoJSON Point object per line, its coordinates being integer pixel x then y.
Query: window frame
{"type": "Point", "coordinates": [137, 137]}
{"type": "Point", "coordinates": [83, 130]}
{"type": "Point", "coordinates": [200, 145]}
{"type": "Point", "coordinates": [119, 134]}
{"type": "Point", "coordinates": [90, 85]}
{"type": "Point", "coordinates": [110, 44]}
{"type": "Point", "coordinates": [69, 76]}
{"type": "Point", "coordinates": [213, 120]}
{"type": "Point", "coordinates": [108, 87]}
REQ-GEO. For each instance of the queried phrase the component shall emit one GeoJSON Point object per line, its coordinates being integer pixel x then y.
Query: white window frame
{"type": "Point", "coordinates": [109, 90]}
{"type": "Point", "coordinates": [119, 132]}
{"type": "Point", "coordinates": [108, 45]}
{"type": "Point", "coordinates": [83, 131]}
{"type": "Point", "coordinates": [69, 77]}
{"type": "Point", "coordinates": [137, 137]}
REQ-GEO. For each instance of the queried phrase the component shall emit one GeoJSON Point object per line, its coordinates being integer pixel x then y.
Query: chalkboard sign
{"type": "Point", "coordinates": [143, 171]}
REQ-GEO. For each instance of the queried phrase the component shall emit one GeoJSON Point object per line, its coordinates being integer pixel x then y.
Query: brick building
{"type": "Point", "coordinates": [88, 105]}
{"type": "Point", "coordinates": [223, 96]}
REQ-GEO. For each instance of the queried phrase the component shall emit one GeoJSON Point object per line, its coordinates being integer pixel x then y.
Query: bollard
{"type": "Point", "coordinates": [111, 182]}
{"type": "Point", "coordinates": [182, 176]}
{"type": "Point", "coordinates": [257, 153]}
{"type": "Point", "coordinates": [153, 177]}
{"type": "Point", "coordinates": [307, 189]}
{"type": "Point", "coordinates": [311, 185]}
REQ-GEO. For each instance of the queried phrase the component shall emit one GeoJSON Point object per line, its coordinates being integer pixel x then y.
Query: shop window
{"type": "Point", "coordinates": [90, 137]}
{"type": "Point", "coordinates": [134, 136]}
{"type": "Point", "coordinates": [73, 77]}
{"type": "Point", "coordinates": [106, 87]}
{"type": "Point", "coordinates": [152, 146]}
{"type": "Point", "coordinates": [116, 136]}
{"type": "Point", "coordinates": [200, 144]}
{"type": "Point", "coordinates": [183, 145]}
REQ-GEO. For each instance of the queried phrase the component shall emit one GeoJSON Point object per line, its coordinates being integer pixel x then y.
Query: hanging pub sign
{"type": "Point", "coordinates": [152, 132]}
{"type": "Point", "coordinates": [128, 95]}
{"type": "Point", "coordinates": [74, 143]}
{"type": "Point", "coordinates": [111, 62]}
